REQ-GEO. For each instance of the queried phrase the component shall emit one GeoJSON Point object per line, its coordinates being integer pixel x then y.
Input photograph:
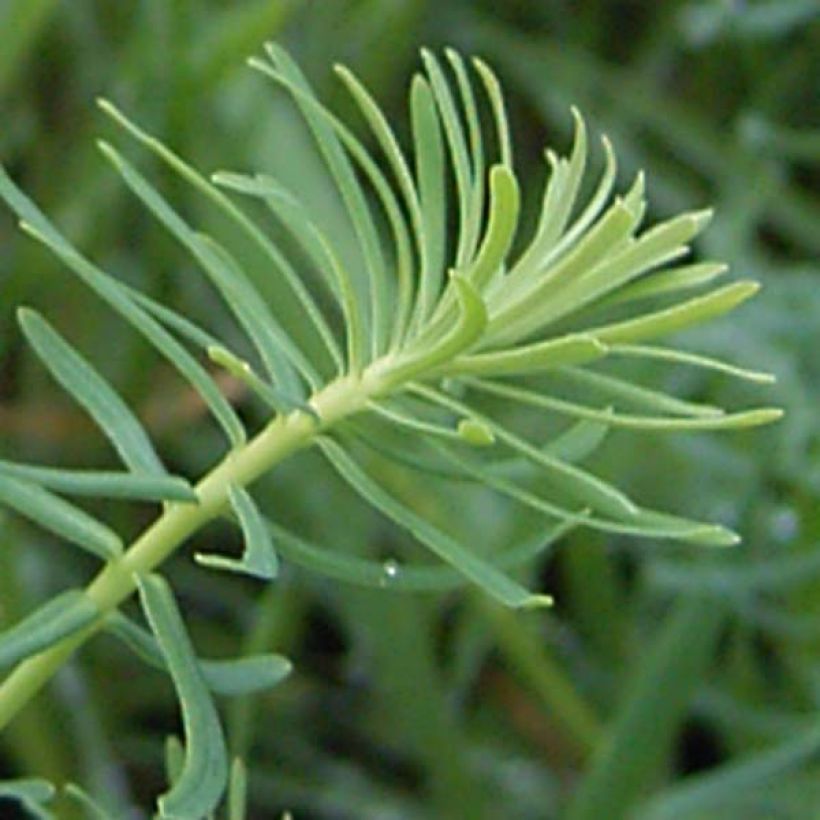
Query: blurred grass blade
{"type": "Point", "coordinates": [781, 574]}
{"type": "Point", "coordinates": [204, 774]}
{"type": "Point", "coordinates": [54, 514]}
{"type": "Point", "coordinates": [278, 352]}
{"type": "Point", "coordinates": [63, 615]}
{"type": "Point", "coordinates": [234, 677]}
{"type": "Point", "coordinates": [259, 557]}
{"type": "Point", "coordinates": [102, 484]}
{"type": "Point", "coordinates": [77, 377]}
{"type": "Point", "coordinates": [638, 743]}
{"type": "Point", "coordinates": [25, 19]}
{"type": "Point", "coordinates": [117, 297]}
{"type": "Point", "coordinates": [483, 574]}
{"type": "Point", "coordinates": [92, 809]}
{"type": "Point", "coordinates": [724, 790]}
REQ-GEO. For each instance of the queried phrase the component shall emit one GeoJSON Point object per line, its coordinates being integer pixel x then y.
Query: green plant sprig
{"type": "Point", "coordinates": [420, 339]}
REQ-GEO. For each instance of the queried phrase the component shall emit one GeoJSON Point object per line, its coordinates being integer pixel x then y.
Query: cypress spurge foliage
{"type": "Point", "coordinates": [413, 333]}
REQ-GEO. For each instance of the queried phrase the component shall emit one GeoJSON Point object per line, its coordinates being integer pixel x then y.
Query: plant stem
{"type": "Point", "coordinates": [116, 581]}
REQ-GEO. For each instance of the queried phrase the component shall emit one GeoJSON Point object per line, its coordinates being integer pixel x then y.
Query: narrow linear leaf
{"type": "Point", "coordinates": [483, 574]}
{"type": "Point", "coordinates": [402, 577]}
{"type": "Point", "coordinates": [693, 359]}
{"type": "Point", "coordinates": [671, 320]}
{"type": "Point", "coordinates": [79, 378]}
{"type": "Point", "coordinates": [576, 348]}
{"type": "Point", "coordinates": [234, 214]}
{"type": "Point", "coordinates": [58, 516]}
{"type": "Point", "coordinates": [388, 143]}
{"type": "Point", "coordinates": [409, 422]}
{"type": "Point", "coordinates": [275, 348]}
{"type": "Point", "coordinates": [351, 191]}
{"type": "Point", "coordinates": [653, 709]}
{"type": "Point", "coordinates": [529, 295]}
{"type": "Point", "coordinates": [505, 201]}
{"type": "Point", "coordinates": [643, 523]}
{"type": "Point", "coordinates": [296, 218]}
{"type": "Point", "coordinates": [633, 394]}
{"type": "Point", "coordinates": [93, 809]}
{"type": "Point", "coordinates": [559, 198]}
{"type": "Point", "coordinates": [469, 108]}
{"type": "Point", "coordinates": [457, 145]}
{"type": "Point", "coordinates": [724, 789]}
{"type": "Point", "coordinates": [472, 319]}
{"type": "Point", "coordinates": [259, 557]}
{"type": "Point", "coordinates": [63, 615]}
{"type": "Point", "coordinates": [231, 678]}
{"type": "Point", "coordinates": [726, 421]}
{"type": "Point", "coordinates": [429, 155]}
{"type": "Point", "coordinates": [654, 248]}
{"type": "Point", "coordinates": [118, 297]}
{"type": "Point", "coordinates": [665, 282]}
{"type": "Point", "coordinates": [543, 252]}
{"type": "Point", "coordinates": [372, 291]}
{"type": "Point", "coordinates": [204, 774]}
{"type": "Point", "coordinates": [496, 97]}
{"type": "Point", "coordinates": [589, 489]}
{"type": "Point", "coordinates": [104, 484]}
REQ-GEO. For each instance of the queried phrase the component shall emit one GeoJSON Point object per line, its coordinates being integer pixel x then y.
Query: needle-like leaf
{"type": "Point", "coordinates": [483, 574]}
{"type": "Point", "coordinates": [79, 378]}
{"type": "Point", "coordinates": [58, 516]}
{"type": "Point", "coordinates": [204, 774]}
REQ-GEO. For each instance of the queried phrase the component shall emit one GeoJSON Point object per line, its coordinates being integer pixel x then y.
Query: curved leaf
{"type": "Point", "coordinates": [58, 516]}
{"type": "Point", "coordinates": [259, 558]}
{"type": "Point", "coordinates": [233, 677]}
{"type": "Point", "coordinates": [104, 484]}
{"type": "Point", "coordinates": [204, 774]}
{"type": "Point", "coordinates": [77, 377]}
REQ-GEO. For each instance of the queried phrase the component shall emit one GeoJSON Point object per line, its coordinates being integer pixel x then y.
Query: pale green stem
{"type": "Point", "coordinates": [116, 581]}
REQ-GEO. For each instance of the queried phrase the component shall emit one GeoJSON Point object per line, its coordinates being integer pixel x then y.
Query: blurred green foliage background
{"type": "Point", "coordinates": [667, 683]}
